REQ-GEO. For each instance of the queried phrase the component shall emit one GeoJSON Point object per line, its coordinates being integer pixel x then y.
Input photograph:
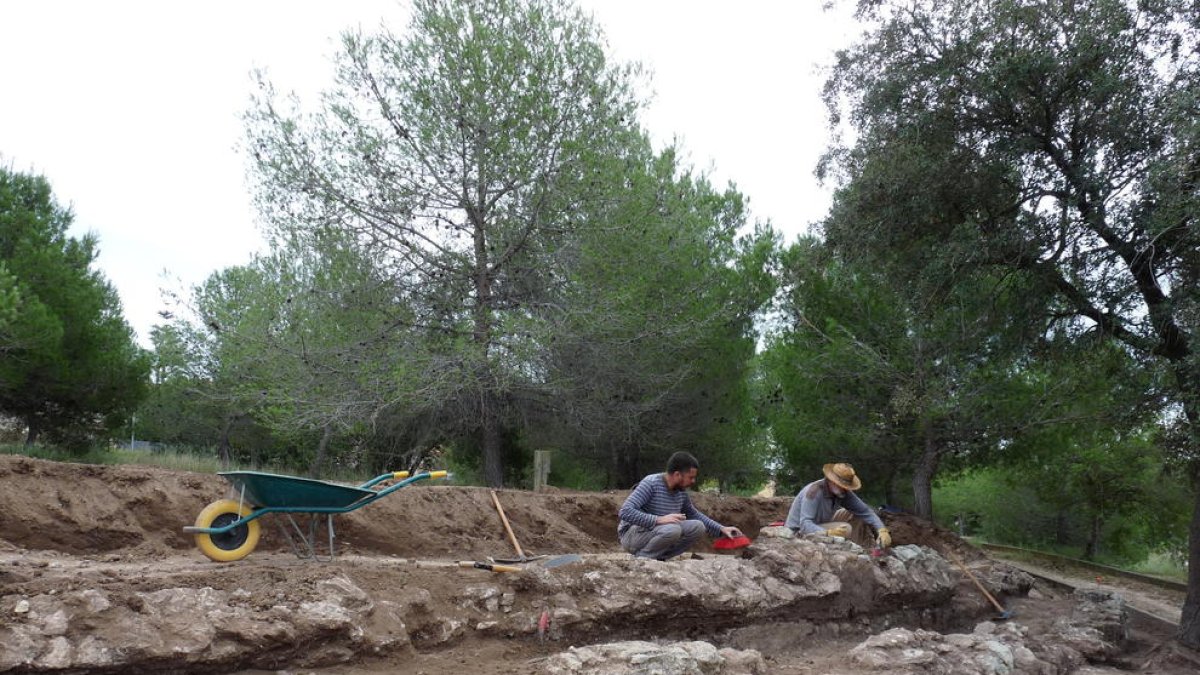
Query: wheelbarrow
{"type": "Point", "coordinates": [228, 529]}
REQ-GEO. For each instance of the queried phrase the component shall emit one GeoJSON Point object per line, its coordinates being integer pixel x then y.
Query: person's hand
{"type": "Point", "coordinates": [883, 538]}
{"type": "Point", "coordinates": [731, 532]}
{"type": "Point", "coordinates": [671, 518]}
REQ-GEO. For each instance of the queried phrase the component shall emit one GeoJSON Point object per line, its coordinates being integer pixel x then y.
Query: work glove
{"type": "Point", "coordinates": [839, 531]}
{"type": "Point", "coordinates": [883, 538]}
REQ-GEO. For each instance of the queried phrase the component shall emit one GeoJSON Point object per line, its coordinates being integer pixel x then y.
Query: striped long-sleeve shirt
{"type": "Point", "coordinates": [652, 498]}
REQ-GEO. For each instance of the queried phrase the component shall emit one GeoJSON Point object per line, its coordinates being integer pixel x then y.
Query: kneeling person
{"type": "Point", "coordinates": [658, 520]}
{"type": "Point", "coordinates": [827, 506]}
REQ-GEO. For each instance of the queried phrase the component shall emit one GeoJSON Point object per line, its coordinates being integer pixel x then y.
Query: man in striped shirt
{"type": "Point", "coordinates": [658, 520]}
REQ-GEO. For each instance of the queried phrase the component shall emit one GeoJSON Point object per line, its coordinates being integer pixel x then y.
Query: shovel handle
{"type": "Point", "coordinates": [507, 528]}
{"type": "Point", "coordinates": [491, 567]}
{"type": "Point", "coordinates": [989, 596]}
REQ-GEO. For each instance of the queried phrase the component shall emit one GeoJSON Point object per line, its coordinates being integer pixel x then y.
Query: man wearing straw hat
{"type": "Point", "coordinates": [828, 505]}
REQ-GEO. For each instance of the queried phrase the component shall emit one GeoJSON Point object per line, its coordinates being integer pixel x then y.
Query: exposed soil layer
{"type": "Point", "coordinates": [70, 529]}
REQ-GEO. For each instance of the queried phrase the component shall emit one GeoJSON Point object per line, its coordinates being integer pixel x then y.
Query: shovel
{"type": "Point", "coordinates": [521, 557]}
{"type": "Point", "coordinates": [559, 561]}
{"type": "Point", "coordinates": [1004, 613]}
{"type": "Point", "coordinates": [488, 566]}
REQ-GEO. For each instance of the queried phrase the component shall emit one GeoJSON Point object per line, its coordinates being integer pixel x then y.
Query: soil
{"type": "Point", "coordinates": [67, 527]}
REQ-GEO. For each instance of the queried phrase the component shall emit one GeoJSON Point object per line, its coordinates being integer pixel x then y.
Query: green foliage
{"type": "Point", "coordinates": [867, 369]}
{"type": "Point", "coordinates": [475, 248]}
{"type": "Point", "coordinates": [70, 368]}
{"type": "Point", "coordinates": [1056, 141]}
{"type": "Point", "coordinates": [10, 302]}
{"type": "Point", "coordinates": [1053, 504]}
{"type": "Point", "coordinates": [455, 159]}
{"type": "Point", "coordinates": [1038, 138]}
{"type": "Point", "coordinates": [648, 342]}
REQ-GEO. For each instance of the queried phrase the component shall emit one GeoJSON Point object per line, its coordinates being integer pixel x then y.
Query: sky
{"type": "Point", "coordinates": [132, 110]}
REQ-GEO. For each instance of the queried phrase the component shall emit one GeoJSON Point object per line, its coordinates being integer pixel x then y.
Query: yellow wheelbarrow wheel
{"type": "Point", "coordinates": [226, 546]}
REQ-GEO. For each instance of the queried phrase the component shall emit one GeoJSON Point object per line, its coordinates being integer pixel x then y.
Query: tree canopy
{"type": "Point", "coordinates": [1057, 141]}
{"type": "Point", "coordinates": [483, 180]}
{"type": "Point", "coordinates": [71, 370]}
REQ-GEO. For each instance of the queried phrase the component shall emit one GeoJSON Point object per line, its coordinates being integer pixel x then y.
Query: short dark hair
{"type": "Point", "coordinates": [682, 462]}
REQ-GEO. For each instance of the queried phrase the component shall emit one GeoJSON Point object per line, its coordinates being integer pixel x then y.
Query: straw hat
{"type": "Point", "coordinates": [842, 475]}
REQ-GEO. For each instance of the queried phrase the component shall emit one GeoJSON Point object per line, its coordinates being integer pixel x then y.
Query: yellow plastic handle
{"type": "Point", "coordinates": [438, 474]}
{"type": "Point", "coordinates": [399, 475]}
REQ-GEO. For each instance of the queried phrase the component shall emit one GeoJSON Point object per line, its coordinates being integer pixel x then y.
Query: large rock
{"type": "Point", "coordinates": [639, 657]}
{"type": "Point", "coordinates": [328, 619]}
{"type": "Point", "coordinates": [1103, 610]}
{"type": "Point", "coordinates": [90, 630]}
{"type": "Point", "coordinates": [777, 578]}
{"type": "Point", "coordinates": [996, 649]}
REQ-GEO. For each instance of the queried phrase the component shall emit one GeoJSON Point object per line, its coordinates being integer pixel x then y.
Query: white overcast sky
{"type": "Point", "coordinates": [132, 110]}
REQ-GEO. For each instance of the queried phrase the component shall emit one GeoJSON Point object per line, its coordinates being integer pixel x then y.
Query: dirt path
{"type": "Point", "coordinates": [1155, 600]}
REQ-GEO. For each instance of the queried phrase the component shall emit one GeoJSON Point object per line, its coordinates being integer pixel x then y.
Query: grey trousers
{"type": "Point", "coordinates": [662, 541]}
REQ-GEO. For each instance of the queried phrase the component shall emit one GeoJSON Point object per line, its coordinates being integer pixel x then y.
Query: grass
{"type": "Point", "coordinates": [1163, 566]}
{"type": "Point", "coordinates": [176, 459]}
{"type": "Point", "coordinates": [1155, 564]}
{"type": "Point", "coordinates": [179, 460]}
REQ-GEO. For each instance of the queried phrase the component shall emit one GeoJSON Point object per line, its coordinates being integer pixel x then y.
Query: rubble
{"type": "Point", "coordinates": [209, 627]}
{"type": "Point", "coordinates": [646, 658]}
{"type": "Point", "coordinates": [90, 629]}
{"type": "Point", "coordinates": [995, 649]}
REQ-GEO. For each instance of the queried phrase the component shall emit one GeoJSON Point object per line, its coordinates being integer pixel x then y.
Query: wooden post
{"type": "Point", "coordinates": [541, 469]}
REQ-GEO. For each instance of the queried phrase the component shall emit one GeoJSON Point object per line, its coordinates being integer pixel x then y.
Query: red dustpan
{"type": "Point", "coordinates": [731, 543]}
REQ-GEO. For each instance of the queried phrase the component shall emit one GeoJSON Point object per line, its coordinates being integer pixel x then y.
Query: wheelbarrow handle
{"type": "Point", "coordinates": [401, 475]}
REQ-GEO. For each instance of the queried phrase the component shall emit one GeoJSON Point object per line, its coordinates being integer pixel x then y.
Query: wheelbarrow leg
{"type": "Point", "coordinates": [309, 540]}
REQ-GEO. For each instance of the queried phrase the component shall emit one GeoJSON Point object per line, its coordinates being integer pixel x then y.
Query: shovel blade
{"type": "Point", "coordinates": [561, 560]}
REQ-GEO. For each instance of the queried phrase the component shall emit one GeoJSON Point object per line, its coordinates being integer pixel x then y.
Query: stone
{"type": "Point", "coordinates": [1103, 610]}
{"type": "Point", "coordinates": [907, 552]}
{"type": "Point", "coordinates": [777, 531]}
{"type": "Point", "coordinates": [645, 658]}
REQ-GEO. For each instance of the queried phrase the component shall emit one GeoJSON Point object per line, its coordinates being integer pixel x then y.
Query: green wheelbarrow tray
{"type": "Point", "coordinates": [271, 490]}
{"type": "Point", "coordinates": [228, 529]}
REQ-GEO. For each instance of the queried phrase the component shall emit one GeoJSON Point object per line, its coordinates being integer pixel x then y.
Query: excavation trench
{"type": "Point", "coordinates": [96, 576]}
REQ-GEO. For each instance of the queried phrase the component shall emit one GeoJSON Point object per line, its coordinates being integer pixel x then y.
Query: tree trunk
{"type": "Point", "coordinates": [314, 470]}
{"type": "Point", "coordinates": [625, 466]}
{"type": "Point", "coordinates": [225, 448]}
{"type": "Point", "coordinates": [1093, 542]}
{"type": "Point", "coordinates": [893, 490]}
{"type": "Point", "coordinates": [923, 475]}
{"type": "Point", "coordinates": [493, 465]}
{"type": "Point", "coordinates": [32, 432]}
{"type": "Point", "coordinates": [1062, 533]}
{"type": "Point", "coordinates": [1189, 622]}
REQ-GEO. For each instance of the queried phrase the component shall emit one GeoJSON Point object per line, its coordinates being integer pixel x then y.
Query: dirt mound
{"type": "Point", "coordinates": [87, 509]}
{"type": "Point", "coordinates": [909, 529]}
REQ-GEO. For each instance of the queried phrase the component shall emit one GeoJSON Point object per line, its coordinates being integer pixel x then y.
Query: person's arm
{"type": "Point", "coordinates": [802, 516]}
{"type": "Point", "coordinates": [632, 511]}
{"type": "Point", "coordinates": [713, 527]}
{"type": "Point", "coordinates": [854, 504]}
